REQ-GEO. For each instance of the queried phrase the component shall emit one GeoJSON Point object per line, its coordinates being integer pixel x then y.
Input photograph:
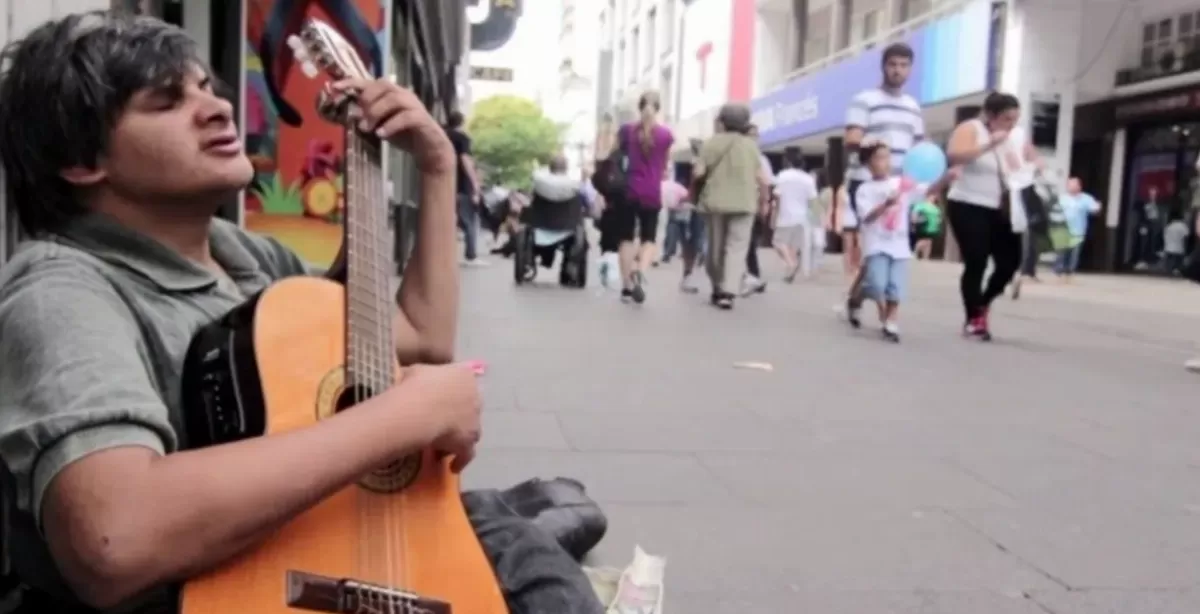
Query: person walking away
{"type": "Point", "coordinates": [927, 225]}
{"type": "Point", "coordinates": [469, 197]}
{"type": "Point", "coordinates": [979, 206]}
{"type": "Point", "coordinates": [635, 218]}
{"type": "Point", "coordinates": [1175, 237]}
{"type": "Point", "coordinates": [795, 189]}
{"type": "Point", "coordinates": [1077, 205]}
{"type": "Point", "coordinates": [728, 178]}
{"type": "Point", "coordinates": [674, 198]}
{"type": "Point", "coordinates": [884, 209]}
{"type": "Point", "coordinates": [683, 222]}
{"type": "Point", "coordinates": [882, 114]}
{"type": "Point", "coordinates": [753, 282]}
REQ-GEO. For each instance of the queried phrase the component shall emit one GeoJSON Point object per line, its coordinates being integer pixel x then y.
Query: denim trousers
{"type": "Point", "coordinates": [468, 222]}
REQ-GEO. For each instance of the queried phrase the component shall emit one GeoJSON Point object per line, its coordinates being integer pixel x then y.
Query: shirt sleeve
{"type": "Point", "coordinates": [464, 144]}
{"type": "Point", "coordinates": [707, 152]}
{"type": "Point", "coordinates": [866, 199]}
{"type": "Point", "coordinates": [75, 377]}
{"type": "Point", "coordinates": [858, 111]}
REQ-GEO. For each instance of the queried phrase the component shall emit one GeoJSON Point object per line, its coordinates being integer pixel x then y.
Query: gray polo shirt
{"type": "Point", "coordinates": [94, 325]}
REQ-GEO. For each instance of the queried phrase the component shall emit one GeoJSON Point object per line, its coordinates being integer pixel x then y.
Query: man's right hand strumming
{"type": "Point", "coordinates": [455, 394]}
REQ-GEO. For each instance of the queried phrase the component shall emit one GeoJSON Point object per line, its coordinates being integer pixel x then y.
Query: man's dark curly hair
{"type": "Point", "coordinates": [62, 89]}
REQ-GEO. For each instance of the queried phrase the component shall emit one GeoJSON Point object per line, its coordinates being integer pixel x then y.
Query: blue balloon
{"type": "Point", "coordinates": [925, 163]}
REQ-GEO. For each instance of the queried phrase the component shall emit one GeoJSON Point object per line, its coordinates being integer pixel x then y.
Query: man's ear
{"type": "Point", "coordinates": [82, 176]}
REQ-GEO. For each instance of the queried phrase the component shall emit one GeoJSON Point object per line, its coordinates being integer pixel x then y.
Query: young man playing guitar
{"type": "Point", "coordinates": [117, 152]}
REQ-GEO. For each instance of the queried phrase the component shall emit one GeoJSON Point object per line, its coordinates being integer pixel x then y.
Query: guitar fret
{"type": "Point", "coordinates": [370, 348]}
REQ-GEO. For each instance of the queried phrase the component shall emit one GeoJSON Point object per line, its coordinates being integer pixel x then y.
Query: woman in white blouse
{"type": "Point", "coordinates": [996, 162]}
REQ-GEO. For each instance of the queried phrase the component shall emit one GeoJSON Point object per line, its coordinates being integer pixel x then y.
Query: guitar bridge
{"type": "Point", "coordinates": [316, 593]}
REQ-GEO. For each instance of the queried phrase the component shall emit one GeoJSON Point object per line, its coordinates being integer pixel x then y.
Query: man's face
{"type": "Point", "coordinates": [1152, 193]}
{"type": "Point", "coordinates": [896, 70]}
{"type": "Point", "coordinates": [176, 147]}
{"type": "Point", "coordinates": [1073, 185]}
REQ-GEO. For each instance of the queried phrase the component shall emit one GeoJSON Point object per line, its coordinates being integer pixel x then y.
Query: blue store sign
{"type": "Point", "coordinates": [951, 61]}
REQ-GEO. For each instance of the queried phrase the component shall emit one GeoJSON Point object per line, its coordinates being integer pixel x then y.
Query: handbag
{"type": "Point", "coordinates": [698, 183]}
{"type": "Point", "coordinates": [611, 178]}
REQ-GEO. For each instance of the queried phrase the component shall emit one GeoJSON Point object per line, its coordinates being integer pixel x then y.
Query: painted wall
{"type": "Point", "coordinates": [298, 157]}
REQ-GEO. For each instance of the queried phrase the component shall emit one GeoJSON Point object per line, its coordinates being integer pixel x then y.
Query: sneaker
{"type": "Point", "coordinates": [1193, 365]}
{"type": "Point", "coordinates": [853, 312]}
{"type": "Point", "coordinates": [891, 332]}
{"type": "Point", "coordinates": [753, 285]}
{"type": "Point", "coordinates": [626, 295]}
{"type": "Point", "coordinates": [722, 300]}
{"type": "Point", "coordinates": [476, 263]}
{"type": "Point", "coordinates": [637, 292]}
{"type": "Point", "coordinates": [687, 285]}
{"type": "Point", "coordinates": [978, 327]}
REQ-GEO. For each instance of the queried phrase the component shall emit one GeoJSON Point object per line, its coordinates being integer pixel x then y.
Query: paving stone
{"type": "Point", "coordinates": [938, 476]}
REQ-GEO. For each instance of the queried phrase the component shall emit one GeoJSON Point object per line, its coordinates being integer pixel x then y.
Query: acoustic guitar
{"type": "Point", "coordinates": [397, 542]}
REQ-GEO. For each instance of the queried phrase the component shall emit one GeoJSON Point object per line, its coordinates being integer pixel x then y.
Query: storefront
{"type": "Point", "coordinates": [1159, 139]}
{"type": "Point", "coordinates": [952, 56]}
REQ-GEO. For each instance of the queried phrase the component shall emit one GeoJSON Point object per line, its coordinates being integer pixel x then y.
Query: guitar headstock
{"type": "Point", "coordinates": [320, 48]}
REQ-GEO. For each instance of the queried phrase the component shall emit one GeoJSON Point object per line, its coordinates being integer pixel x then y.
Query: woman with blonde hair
{"type": "Point", "coordinates": [647, 147]}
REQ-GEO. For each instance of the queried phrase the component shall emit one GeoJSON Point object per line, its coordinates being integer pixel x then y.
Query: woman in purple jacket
{"type": "Point", "coordinates": [647, 144]}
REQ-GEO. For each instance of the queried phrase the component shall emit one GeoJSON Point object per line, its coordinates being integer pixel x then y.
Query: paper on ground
{"type": "Point", "coordinates": [640, 588]}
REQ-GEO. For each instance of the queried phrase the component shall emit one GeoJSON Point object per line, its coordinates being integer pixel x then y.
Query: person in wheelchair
{"type": "Point", "coordinates": [552, 223]}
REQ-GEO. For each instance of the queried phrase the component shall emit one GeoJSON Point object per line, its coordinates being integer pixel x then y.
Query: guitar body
{"type": "Point", "coordinates": [274, 365]}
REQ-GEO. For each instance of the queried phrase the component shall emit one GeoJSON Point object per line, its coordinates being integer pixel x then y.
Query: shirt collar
{"type": "Point", "coordinates": [105, 238]}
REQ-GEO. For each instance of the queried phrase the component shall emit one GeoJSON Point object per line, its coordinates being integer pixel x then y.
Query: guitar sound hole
{"type": "Point", "coordinates": [393, 477]}
{"type": "Point", "coordinates": [352, 396]}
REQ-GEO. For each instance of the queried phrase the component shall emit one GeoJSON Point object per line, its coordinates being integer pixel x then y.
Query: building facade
{"type": "Point", "coordinates": [1110, 92]}
{"type": "Point", "coordinates": [578, 80]}
{"type": "Point", "coordinates": [639, 47]}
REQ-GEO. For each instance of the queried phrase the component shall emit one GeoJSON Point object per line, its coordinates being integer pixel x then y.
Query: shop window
{"type": "Point", "coordinates": [666, 91]}
{"type": "Point", "coordinates": [668, 26]}
{"type": "Point", "coordinates": [651, 38]}
{"type": "Point", "coordinates": [635, 39]}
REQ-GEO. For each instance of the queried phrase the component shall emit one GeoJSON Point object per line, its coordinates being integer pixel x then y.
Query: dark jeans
{"type": "Point", "coordinates": [468, 222]}
{"type": "Point", "coordinates": [534, 534]}
{"type": "Point", "coordinates": [983, 234]}
{"type": "Point", "coordinates": [756, 235]}
{"type": "Point", "coordinates": [1029, 256]}
{"type": "Point", "coordinates": [686, 231]}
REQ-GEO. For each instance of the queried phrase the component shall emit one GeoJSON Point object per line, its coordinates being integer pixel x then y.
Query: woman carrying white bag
{"type": "Point", "coordinates": [984, 205]}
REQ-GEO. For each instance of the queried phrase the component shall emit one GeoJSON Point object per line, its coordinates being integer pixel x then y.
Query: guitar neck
{"type": "Point", "coordinates": [370, 304]}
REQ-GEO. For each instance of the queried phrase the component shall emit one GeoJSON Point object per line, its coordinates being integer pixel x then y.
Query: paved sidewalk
{"type": "Point", "coordinates": [1055, 470]}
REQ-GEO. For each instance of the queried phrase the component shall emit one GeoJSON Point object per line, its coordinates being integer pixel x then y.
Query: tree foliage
{"type": "Point", "coordinates": [510, 136]}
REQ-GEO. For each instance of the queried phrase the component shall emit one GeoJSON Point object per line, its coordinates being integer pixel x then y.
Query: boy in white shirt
{"type": "Point", "coordinates": [884, 206]}
{"type": "Point", "coordinates": [794, 189]}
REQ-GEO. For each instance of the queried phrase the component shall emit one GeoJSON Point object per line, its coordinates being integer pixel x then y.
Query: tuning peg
{"type": "Point", "coordinates": [295, 43]}
{"type": "Point", "coordinates": [309, 69]}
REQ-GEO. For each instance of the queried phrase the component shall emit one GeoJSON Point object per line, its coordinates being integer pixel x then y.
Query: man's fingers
{"type": "Point", "coordinates": [378, 111]}
{"type": "Point", "coordinates": [462, 459]}
{"type": "Point", "coordinates": [398, 123]}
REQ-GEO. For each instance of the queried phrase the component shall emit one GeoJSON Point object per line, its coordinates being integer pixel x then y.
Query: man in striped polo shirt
{"type": "Point", "coordinates": [880, 114]}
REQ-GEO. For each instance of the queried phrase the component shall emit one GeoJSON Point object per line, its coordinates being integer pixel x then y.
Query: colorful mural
{"type": "Point", "coordinates": [296, 196]}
